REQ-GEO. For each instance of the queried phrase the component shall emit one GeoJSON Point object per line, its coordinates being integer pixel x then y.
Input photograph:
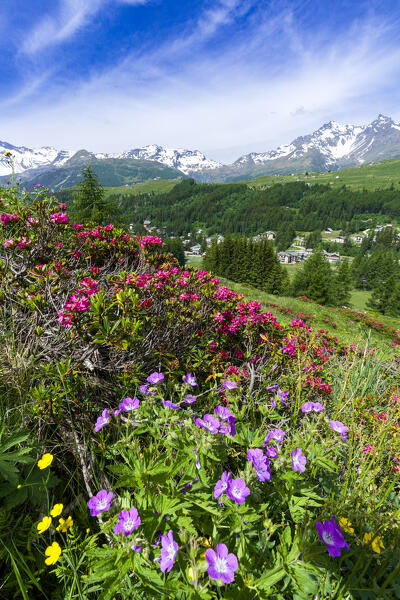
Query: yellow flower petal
{"type": "Point", "coordinates": [367, 537]}
{"type": "Point", "coordinates": [45, 461]}
{"type": "Point", "coordinates": [53, 552]}
{"type": "Point", "coordinates": [377, 544]}
{"type": "Point", "coordinates": [346, 525]}
{"type": "Point", "coordinates": [64, 525]}
{"type": "Point", "coordinates": [44, 524]}
{"type": "Point", "coordinates": [56, 510]}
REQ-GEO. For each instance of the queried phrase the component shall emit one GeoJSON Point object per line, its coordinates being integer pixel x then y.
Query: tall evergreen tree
{"type": "Point", "coordinates": [315, 279]}
{"type": "Point", "coordinates": [385, 296]}
{"type": "Point", "coordinates": [89, 204]}
{"type": "Point", "coordinates": [343, 284]}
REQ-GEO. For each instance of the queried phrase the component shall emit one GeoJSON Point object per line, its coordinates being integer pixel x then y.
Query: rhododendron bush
{"type": "Point", "coordinates": [113, 306]}
{"type": "Point", "coordinates": [200, 448]}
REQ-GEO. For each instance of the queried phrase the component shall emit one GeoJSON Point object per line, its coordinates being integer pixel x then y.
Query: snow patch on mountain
{"type": "Point", "coordinates": [29, 158]}
{"type": "Point", "coordinates": [186, 161]}
{"type": "Point", "coordinates": [335, 144]}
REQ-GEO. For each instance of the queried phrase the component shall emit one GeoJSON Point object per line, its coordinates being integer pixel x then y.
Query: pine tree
{"type": "Point", "coordinates": [89, 204]}
{"type": "Point", "coordinates": [393, 304]}
{"type": "Point", "coordinates": [385, 296]}
{"type": "Point", "coordinates": [315, 279]}
{"type": "Point", "coordinates": [343, 284]}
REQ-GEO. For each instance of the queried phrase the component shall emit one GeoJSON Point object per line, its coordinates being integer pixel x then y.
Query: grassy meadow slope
{"type": "Point", "coordinates": [344, 324]}
{"type": "Point", "coordinates": [372, 176]}
{"type": "Point", "coordinates": [379, 175]}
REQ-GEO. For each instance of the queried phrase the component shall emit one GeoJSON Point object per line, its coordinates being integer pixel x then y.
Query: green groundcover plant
{"type": "Point", "coordinates": [182, 442]}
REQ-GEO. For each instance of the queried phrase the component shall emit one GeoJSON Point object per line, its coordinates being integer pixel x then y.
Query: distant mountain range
{"type": "Point", "coordinates": [331, 147]}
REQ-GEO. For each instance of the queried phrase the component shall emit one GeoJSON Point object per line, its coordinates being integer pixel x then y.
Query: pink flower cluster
{"type": "Point", "coordinates": [316, 382]}
{"type": "Point", "coordinates": [9, 218]}
{"type": "Point", "coordinates": [78, 302]}
{"type": "Point", "coordinates": [150, 240]}
{"type": "Point", "coordinates": [24, 242]}
{"type": "Point", "coordinates": [59, 217]}
{"type": "Point", "coordinates": [32, 222]}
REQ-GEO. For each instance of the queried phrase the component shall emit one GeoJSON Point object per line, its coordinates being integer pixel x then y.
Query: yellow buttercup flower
{"type": "Point", "coordinates": [64, 524]}
{"type": "Point", "coordinates": [53, 552]}
{"type": "Point", "coordinates": [45, 461]}
{"type": "Point", "coordinates": [377, 544]}
{"type": "Point", "coordinates": [56, 510]}
{"type": "Point", "coordinates": [344, 524]}
{"type": "Point", "coordinates": [44, 524]}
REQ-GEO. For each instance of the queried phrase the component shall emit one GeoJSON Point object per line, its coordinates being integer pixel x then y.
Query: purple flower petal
{"type": "Point", "coordinates": [155, 378]}
{"type": "Point", "coordinates": [190, 379]}
{"type": "Point", "coordinates": [298, 460]}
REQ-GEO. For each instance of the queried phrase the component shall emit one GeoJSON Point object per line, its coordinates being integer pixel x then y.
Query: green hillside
{"type": "Point", "coordinates": [110, 172]}
{"type": "Point", "coordinates": [378, 175]}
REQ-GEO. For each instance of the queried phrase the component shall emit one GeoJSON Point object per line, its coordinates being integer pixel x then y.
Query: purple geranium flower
{"type": "Point", "coordinates": [100, 502]}
{"type": "Point", "coordinates": [190, 379]}
{"type": "Point", "coordinates": [169, 404]}
{"type": "Point", "coordinates": [208, 422]}
{"type": "Point", "coordinates": [189, 399]}
{"type": "Point", "coordinates": [308, 407]}
{"type": "Point", "coordinates": [272, 387]}
{"type": "Point", "coordinates": [331, 535]}
{"type": "Point", "coordinates": [339, 428]}
{"type": "Point", "coordinates": [298, 460]}
{"type": "Point", "coordinates": [155, 378]}
{"type": "Point", "coordinates": [221, 565]}
{"type": "Point", "coordinates": [129, 404]}
{"type": "Point", "coordinates": [102, 420]}
{"type": "Point", "coordinates": [116, 412]}
{"type": "Point", "coordinates": [128, 520]}
{"type": "Point", "coordinates": [237, 490]}
{"type": "Point", "coordinates": [229, 385]}
{"type": "Point", "coordinates": [261, 464]}
{"type": "Point", "coordinates": [223, 412]}
{"type": "Point", "coordinates": [282, 395]}
{"type": "Point", "coordinates": [222, 484]}
{"type": "Point", "coordinates": [169, 550]}
{"type": "Point", "coordinates": [275, 434]}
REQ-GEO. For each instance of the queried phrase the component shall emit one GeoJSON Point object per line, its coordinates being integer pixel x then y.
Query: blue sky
{"type": "Point", "coordinates": [223, 76]}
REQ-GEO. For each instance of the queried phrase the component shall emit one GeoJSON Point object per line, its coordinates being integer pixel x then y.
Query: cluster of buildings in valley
{"type": "Point", "coordinates": [298, 254]}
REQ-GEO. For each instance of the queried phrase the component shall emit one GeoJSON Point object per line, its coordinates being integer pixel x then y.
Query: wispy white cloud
{"type": "Point", "coordinates": [69, 18]}
{"type": "Point", "coordinates": [266, 86]}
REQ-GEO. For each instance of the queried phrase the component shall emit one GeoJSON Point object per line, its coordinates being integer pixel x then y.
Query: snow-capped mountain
{"type": "Point", "coordinates": [31, 158]}
{"type": "Point", "coordinates": [331, 147]}
{"type": "Point", "coordinates": [187, 161]}
{"type": "Point", "coordinates": [337, 143]}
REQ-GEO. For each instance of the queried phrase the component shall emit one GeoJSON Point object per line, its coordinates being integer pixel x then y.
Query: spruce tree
{"type": "Point", "coordinates": [315, 279]}
{"type": "Point", "coordinates": [343, 284]}
{"type": "Point", "coordinates": [384, 296]}
{"type": "Point", "coordinates": [89, 204]}
{"type": "Point", "coordinates": [393, 304]}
